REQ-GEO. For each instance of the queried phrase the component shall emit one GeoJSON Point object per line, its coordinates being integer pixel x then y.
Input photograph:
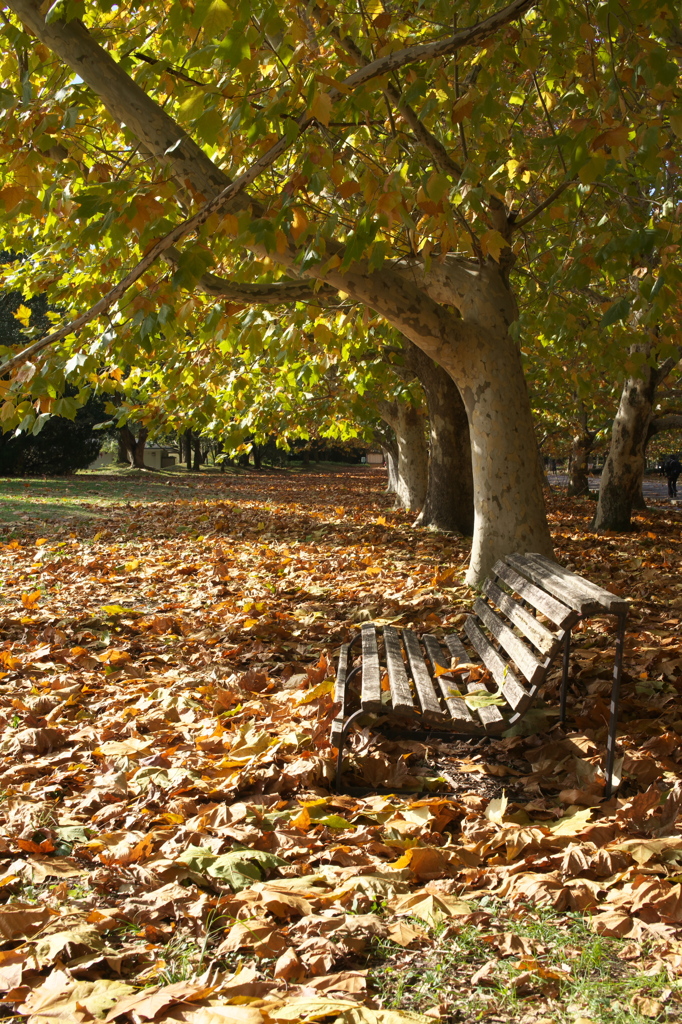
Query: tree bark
{"type": "Point", "coordinates": [480, 356]}
{"type": "Point", "coordinates": [582, 445]}
{"type": "Point", "coordinates": [197, 454]}
{"type": "Point", "coordinates": [449, 503]}
{"type": "Point", "coordinates": [409, 427]}
{"type": "Point", "coordinates": [257, 456]}
{"type": "Point", "coordinates": [134, 447]}
{"type": "Point", "coordinates": [391, 457]}
{"type": "Point", "coordinates": [186, 445]}
{"type": "Point", "coordinates": [621, 479]}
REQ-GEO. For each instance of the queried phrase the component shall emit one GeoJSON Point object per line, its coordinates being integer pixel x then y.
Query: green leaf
{"type": "Point", "coordinates": [618, 311]}
{"type": "Point", "coordinates": [240, 868]}
{"type": "Point", "coordinates": [483, 699]}
{"type": "Point", "coordinates": [218, 17]}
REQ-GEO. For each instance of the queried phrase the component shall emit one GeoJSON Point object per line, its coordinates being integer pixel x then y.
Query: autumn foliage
{"type": "Point", "coordinates": [166, 773]}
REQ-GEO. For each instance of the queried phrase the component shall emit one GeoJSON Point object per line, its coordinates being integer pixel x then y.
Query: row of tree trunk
{"type": "Point", "coordinates": [435, 481]}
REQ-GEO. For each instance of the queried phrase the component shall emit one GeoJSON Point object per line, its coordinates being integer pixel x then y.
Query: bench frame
{"type": "Point", "coordinates": [562, 597]}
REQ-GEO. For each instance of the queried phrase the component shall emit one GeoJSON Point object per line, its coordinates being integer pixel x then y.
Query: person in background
{"type": "Point", "coordinates": [672, 469]}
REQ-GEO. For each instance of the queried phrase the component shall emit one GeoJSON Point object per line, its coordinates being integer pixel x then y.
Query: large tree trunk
{"type": "Point", "coordinates": [449, 503]}
{"type": "Point", "coordinates": [621, 478]}
{"type": "Point", "coordinates": [197, 454]}
{"type": "Point", "coordinates": [412, 469]}
{"type": "Point", "coordinates": [472, 344]}
{"type": "Point", "coordinates": [134, 447]}
{"type": "Point", "coordinates": [484, 361]}
{"type": "Point", "coordinates": [581, 447]}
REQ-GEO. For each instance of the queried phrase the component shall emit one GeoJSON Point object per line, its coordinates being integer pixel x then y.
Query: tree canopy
{"type": "Point", "coordinates": [473, 183]}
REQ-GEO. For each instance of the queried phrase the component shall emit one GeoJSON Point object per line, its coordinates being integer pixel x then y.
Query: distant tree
{"type": "Point", "coordinates": [62, 446]}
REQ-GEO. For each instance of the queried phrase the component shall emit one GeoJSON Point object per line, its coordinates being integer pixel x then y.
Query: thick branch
{"type": "Point", "coordinates": [125, 100]}
{"type": "Point", "coordinates": [471, 36]}
{"type": "Point", "coordinates": [274, 293]}
{"type": "Point", "coordinates": [666, 367]}
{"type": "Point", "coordinates": [672, 421]}
{"type": "Point", "coordinates": [219, 203]}
{"type": "Point", "coordinates": [441, 157]}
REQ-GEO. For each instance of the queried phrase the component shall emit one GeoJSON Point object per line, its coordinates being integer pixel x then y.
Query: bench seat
{"type": "Point", "coordinates": [483, 682]}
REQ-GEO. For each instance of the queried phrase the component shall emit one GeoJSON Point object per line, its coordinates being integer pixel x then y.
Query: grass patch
{"type": "Point", "coordinates": [561, 971]}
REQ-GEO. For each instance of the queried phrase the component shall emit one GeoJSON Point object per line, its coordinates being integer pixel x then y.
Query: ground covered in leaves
{"type": "Point", "coordinates": [171, 847]}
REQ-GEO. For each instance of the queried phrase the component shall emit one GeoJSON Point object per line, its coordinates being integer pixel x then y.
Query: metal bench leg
{"type": "Point", "coordinates": [342, 740]}
{"type": "Point", "coordinates": [564, 678]}
{"type": "Point", "coordinates": [615, 701]}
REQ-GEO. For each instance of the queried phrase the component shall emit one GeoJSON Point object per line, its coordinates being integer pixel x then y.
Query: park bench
{"type": "Point", "coordinates": [524, 618]}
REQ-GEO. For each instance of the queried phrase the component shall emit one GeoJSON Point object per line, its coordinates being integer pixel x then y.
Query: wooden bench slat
{"type": "Point", "coordinates": [538, 634]}
{"type": "Point", "coordinates": [426, 692]}
{"type": "Point", "coordinates": [491, 717]}
{"type": "Point", "coordinates": [459, 710]}
{"type": "Point", "coordinates": [340, 695]}
{"type": "Point", "coordinates": [608, 602]}
{"type": "Point", "coordinates": [371, 672]}
{"type": "Point", "coordinates": [456, 647]}
{"type": "Point", "coordinates": [513, 692]}
{"type": "Point", "coordinates": [401, 693]}
{"type": "Point", "coordinates": [522, 656]}
{"type": "Point", "coordinates": [557, 612]}
{"type": "Point", "coordinates": [581, 595]}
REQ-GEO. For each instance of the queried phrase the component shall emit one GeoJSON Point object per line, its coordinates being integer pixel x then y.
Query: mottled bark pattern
{"type": "Point", "coordinates": [134, 447]}
{"type": "Point", "coordinates": [409, 427]}
{"type": "Point", "coordinates": [449, 503]}
{"type": "Point", "coordinates": [622, 475]}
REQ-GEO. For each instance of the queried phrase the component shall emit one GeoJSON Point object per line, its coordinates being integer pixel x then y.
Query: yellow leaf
{"type": "Point", "coordinates": [492, 244]}
{"type": "Point", "coordinates": [11, 196]}
{"type": "Point", "coordinates": [248, 623]}
{"type": "Point", "coordinates": [30, 601]}
{"type": "Point", "coordinates": [299, 223]}
{"type": "Point", "coordinates": [302, 820]}
{"type": "Point", "coordinates": [676, 124]}
{"type": "Point", "coordinates": [326, 686]}
{"type": "Point", "coordinates": [348, 188]}
{"type": "Point", "coordinates": [23, 313]}
{"type": "Point", "coordinates": [321, 107]}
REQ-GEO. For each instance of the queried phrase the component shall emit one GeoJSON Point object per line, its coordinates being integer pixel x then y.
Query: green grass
{"type": "Point", "coordinates": [598, 985]}
{"type": "Point", "coordinates": [89, 495]}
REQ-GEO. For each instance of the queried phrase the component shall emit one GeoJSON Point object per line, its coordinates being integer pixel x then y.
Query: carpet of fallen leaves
{"type": "Point", "coordinates": [171, 847]}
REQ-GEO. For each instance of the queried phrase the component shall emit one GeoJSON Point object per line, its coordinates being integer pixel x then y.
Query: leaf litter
{"type": "Point", "coordinates": [171, 847]}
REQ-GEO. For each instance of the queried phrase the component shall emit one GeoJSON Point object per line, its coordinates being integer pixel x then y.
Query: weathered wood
{"type": "Point", "coordinates": [582, 596]}
{"type": "Point", "coordinates": [456, 647]}
{"type": "Point", "coordinates": [454, 700]}
{"type": "Point", "coordinates": [371, 672]}
{"type": "Point", "coordinates": [504, 637]}
{"type": "Point", "coordinates": [340, 695]}
{"type": "Point", "coordinates": [522, 656]}
{"type": "Point", "coordinates": [428, 699]}
{"type": "Point", "coordinates": [511, 689]}
{"type": "Point", "coordinates": [544, 639]}
{"type": "Point", "coordinates": [401, 692]}
{"type": "Point", "coordinates": [554, 610]}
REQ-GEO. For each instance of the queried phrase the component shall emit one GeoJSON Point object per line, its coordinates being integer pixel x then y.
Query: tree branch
{"type": "Point", "coordinates": [274, 293]}
{"type": "Point", "coordinates": [442, 48]}
{"type": "Point", "coordinates": [218, 203]}
{"type": "Point", "coordinates": [667, 366]}
{"type": "Point", "coordinates": [671, 421]}
{"type": "Point", "coordinates": [543, 206]}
